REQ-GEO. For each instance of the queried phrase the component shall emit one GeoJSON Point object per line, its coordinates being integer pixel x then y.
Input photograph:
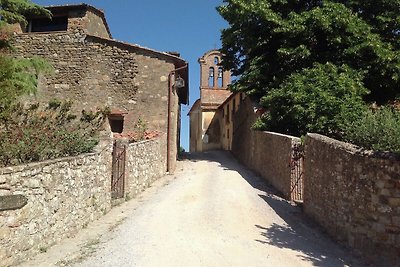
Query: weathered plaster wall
{"type": "Point", "coordinates": [227, 112]}
{"type": "Point", "coordinates": [146, 162]}
{"type": "Point", "coordinates": [269, 154]}
{"type": "Point", "coordinates": [355, 196]}
{"type": "Point", "coordinates": [210, 130]}
{"type": "Point", "coordinates": [195, 131]}
{"type": "Point", "coordinates": [95, 25]}
{"type": "Point", "coordinates": [63, 195]}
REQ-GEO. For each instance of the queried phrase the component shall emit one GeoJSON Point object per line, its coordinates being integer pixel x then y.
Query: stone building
{"type": "Point", "coordinates": [206, 129]}
{"type": "Point", "coordinates": [94, 70]}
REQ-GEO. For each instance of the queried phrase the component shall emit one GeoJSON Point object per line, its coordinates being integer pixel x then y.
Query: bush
{"type": "Point", "coordinates": [323, 99]}
{"type": "Point", "coordinates": [376, 129]}
{"type": "Point", "coordinates": [35, 134]}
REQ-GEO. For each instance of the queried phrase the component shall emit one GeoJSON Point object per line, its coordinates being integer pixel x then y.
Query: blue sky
{"type": "Point", "coordinates": [190, 27]}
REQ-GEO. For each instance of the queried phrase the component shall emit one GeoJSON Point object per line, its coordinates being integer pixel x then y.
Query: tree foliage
{"type": "Point", "coordinates": [269, 40]}
{"type": "Point", "coordinates": [323, 99]}
{"type": "Point", "coordinates": [15, 11]}
{"type": "Point", "coordinates": [376, 129]}
{"type": "Point", "coordinates": [18, 76]}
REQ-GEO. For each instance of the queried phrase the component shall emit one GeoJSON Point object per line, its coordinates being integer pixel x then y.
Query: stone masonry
{"type": "Point", "coordinates": [355, 196]}
{"type": "Point", "coordinates": [64, 195]}
{"type": "Point", "coordinates": [146, 162]}
{"type": "Point", "coordinates": [95, 71]}
{"type": "Point", "coordinates": [268, 154]}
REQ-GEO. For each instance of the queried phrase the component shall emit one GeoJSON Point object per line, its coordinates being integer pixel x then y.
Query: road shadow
{"type": "Point", "coordinates": [299, 233]}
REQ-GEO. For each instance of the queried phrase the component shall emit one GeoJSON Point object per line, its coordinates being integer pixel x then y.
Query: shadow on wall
{"type": "Point", "coordinates": [299, 233]}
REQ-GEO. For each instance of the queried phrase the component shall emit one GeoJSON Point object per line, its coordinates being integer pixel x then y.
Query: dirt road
{"type": "Point", "coordinates": [213, 213]}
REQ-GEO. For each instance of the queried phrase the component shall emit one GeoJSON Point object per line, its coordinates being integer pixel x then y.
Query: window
{"type": "Point", "coordinates": [216, 60]}
{"type": "Point", "coordinates": [116, 123]}
{"type": "Point", "coordinates": [234, 107]}
{"type": "Point", "coordinates": [48, 25]}
{"type": "Point", "coordinates": [211, 77]}
{"type": "Point", "coordinates": [220, 77]}
{"type": "Point", "coordinates": [227, 113]}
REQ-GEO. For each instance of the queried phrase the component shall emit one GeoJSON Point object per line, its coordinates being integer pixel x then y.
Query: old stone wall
{"type": "Point", "coordinates": [94, 72]}
{"type": "Point", "coordinates": [355, 196]}
{"type": "Point", "coordinates": [268, 154]}
{"type": "Point", "coordinates": [62, 195]}
{"type": "Point", "coordinates": [146, 162]}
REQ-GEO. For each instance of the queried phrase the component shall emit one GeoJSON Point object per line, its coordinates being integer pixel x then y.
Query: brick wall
{"type": "Point", "coordinates": [355, 196]}
{"type": "Point", "coordinates": [214, 97]}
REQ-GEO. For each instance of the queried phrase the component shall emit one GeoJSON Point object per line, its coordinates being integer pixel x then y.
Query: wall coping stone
{"type": "Point", "coordinates": [283, 135]}
{"type": "Point", "coordinates": [353, 149]}
{"type": "Point", "coordinates": [41, 164]}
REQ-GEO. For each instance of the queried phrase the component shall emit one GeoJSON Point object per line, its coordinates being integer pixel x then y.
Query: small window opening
{"type": "Point", "coordinates": [48, 25]}
{"type": "Point", "coordinates": [227, 113]}
{"type": "Point", "coordinates": [116, 123]}
{"type": "Point", "coordinates": [220, 77]}
{"type": "Point", "coordinates": [234, 107]}
{"type": "Point", "coordinates": [211, 77]}
{"type": "Point", "coordinates": [216, 60]}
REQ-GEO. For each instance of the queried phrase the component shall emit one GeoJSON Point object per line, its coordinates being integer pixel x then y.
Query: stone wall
{"type": "Point", "coordinates": [268, 154]}
{"type": "Point", "coordinates": [63, 196]}
{"type": "Point", "coordinates": [95, 73]}
{"type": "Point", "coordinates": [355, 196]}
{"type": "Point", "coordinates": [146, 162]}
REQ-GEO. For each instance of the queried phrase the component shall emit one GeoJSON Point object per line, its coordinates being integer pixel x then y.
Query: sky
{"type": "Point", "coordinates": [191, 27]}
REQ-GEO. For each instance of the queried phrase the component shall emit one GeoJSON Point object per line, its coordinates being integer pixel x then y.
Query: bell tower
{"type": "Point", "coordinates": [211, 72]}
{"type": "Point", "coordinates": [214, 80]}
{"type": "Point", "coordinates": [205, 115]}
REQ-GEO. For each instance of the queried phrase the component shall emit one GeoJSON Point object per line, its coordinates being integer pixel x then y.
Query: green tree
{"type": "Point", "coordinates": [18, 76]}
{"type": "Point", "coordinates": [323, 99]}
{"type": "Point", "coordinates": [269, 40]}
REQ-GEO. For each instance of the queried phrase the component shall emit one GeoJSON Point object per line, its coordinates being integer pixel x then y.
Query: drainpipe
{"type": "Point", "coordinates": [170, 87]}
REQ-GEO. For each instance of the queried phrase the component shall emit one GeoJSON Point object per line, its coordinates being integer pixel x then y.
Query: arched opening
{"type": "Point", "coordinates": [216, 60]}
{"type": "Point", "coordinates": [220, 77]}
{"type": "Point", "coordinates": [211, 77]}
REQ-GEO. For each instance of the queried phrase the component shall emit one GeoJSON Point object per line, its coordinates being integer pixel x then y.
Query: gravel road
{"type": "Point", "coordinates": [214, 212]}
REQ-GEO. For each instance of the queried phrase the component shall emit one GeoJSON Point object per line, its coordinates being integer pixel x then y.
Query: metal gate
{"type": "Point", "coordinates": [296, 165]}
{"type": "Point", "coordinates": [118, 170]}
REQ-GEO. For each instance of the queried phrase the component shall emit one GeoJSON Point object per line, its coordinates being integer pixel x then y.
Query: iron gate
{"type": "Point", "coordinates": [296, 165]}
{"type": "Point", "coordinates": [118, 170]}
